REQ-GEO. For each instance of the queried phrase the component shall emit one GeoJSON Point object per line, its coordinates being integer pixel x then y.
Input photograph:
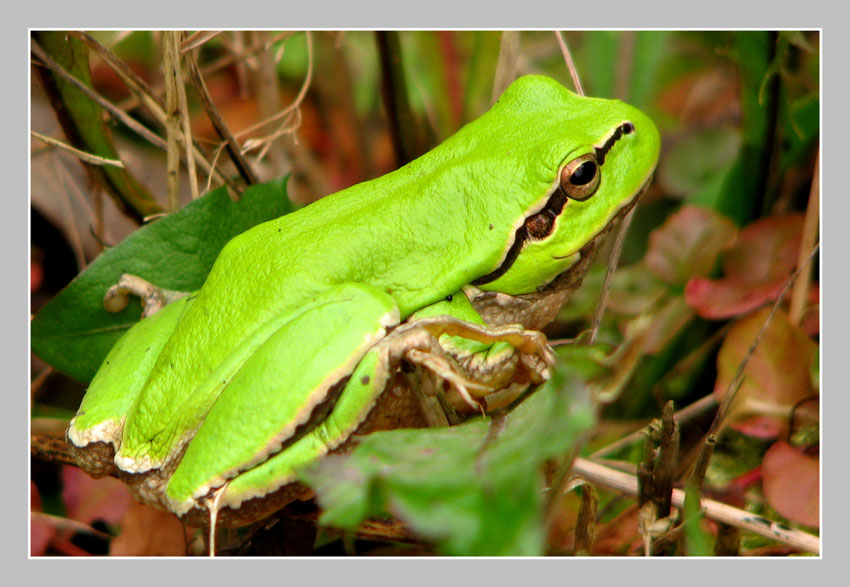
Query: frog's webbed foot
{"type": "Point", "coordinates": [153, 298]}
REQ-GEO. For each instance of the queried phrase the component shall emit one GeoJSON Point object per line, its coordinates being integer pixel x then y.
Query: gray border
{"type": "Point", "coordinates": [364, 14]}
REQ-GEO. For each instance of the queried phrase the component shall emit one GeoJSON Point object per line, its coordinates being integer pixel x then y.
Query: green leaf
{"type": "Point", "coordinates": [698, 542]}
{"type": "Point", "coordinates": [744, 188]}
{"type": "Point", "coordinates": [474, 489]}
{"type": "Point", "coordinates": [698, 162]}
{"type": "Point", "coordinates": [74, 333]}
{"type": "Point", "coordinates": [651, 49]}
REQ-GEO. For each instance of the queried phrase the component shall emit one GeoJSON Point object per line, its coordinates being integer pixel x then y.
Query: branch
{"type": "Point", "coordinates": [609, 478]}
{"type": "Point", "coordinates": [56, 450]}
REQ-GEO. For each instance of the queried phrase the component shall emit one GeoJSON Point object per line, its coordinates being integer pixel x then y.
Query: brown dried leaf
{"type": "Point", "coordinates": [620, 536]}
{"type": "Point", "coordinates": [149, 532]}
{"type": "Point", "coordinates": [777, 374]}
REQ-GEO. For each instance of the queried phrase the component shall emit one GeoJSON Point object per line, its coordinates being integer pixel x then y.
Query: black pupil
{"type": "Point", "coordinates": [583, 174]}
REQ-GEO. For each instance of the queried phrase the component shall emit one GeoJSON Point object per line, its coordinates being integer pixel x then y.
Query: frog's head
{"type": "Point", "coordinates": [587, 161]}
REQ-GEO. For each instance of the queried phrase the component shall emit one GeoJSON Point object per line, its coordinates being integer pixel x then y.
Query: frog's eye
{"type": "Point", "coordinates": [580, 177]}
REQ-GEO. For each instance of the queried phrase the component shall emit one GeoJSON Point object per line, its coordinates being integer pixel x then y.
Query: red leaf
{"type": "Point", "coordinates": [88, 499]}
{"type": "Point", "coordinates": [717, 299]}
{"type": "Point", "coordinates": [687, 244]}
{"type": "Point", "coordinates": [763, 427]}
{"type": "Point", "coordinates": [791, 483]}
{"type": "Point", "coordinates": [41, 533]}
{"type": "Point", "coordinates": [756, 268]}
{"type": "Point", "coordinates": [767, 249]}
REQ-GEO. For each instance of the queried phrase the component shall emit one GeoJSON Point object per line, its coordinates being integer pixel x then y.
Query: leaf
{"type": "Point", "coordinates": [41, 533]}
{"type": "Point", "coordinates": [777, 374]}
{"type": "Point", "coordinates": [791, 483]}
{"type": "Point", "coordinates": [83, 122]}
{"type": "Point", "coordinates": [756, 269]}
{"type": "Point", "coordinates": [620, 536]}
{"type": "Point", "coordinates": [766, 249]}
{"type": "Point", "coordinates": [666, 324]}
{"type": "Point", "coordinates": [698, 541]}
{"type": "Point", "coordinates": [745, 185]}
{"type": "Point", "coordinates": [470, 494]}
{"type": "Point", "coordinates": [74, 333]}
{"type": "Point", "coordinates": [634, 290]}
{"type": "Point", "coordinates": [699, 161]}
{"type": "Point", "coordinates": [802, 127]}
{"type": "Point", "coordinates": [687, 244]}
{"type": "Point", "coordinates": [88, 500]}
{"type": "Point", "coordinates": [717, 299]}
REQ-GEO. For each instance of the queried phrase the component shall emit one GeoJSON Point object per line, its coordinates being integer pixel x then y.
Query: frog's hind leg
{"type": "Point", "coordinates": [299, 394]}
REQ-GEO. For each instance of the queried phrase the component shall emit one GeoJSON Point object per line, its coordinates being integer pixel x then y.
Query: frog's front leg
{"type": "Point", "coordinates": [153, 298]}
{"type": "Point", "coordinates": [486, 367]}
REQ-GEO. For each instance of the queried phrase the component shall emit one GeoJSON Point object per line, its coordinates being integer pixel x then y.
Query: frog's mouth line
{"type": "Point", "coordinates": [554, 207]}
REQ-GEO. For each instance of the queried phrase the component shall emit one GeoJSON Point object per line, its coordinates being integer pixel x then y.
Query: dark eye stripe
{"type": "Point", "coordinates": [554, 206]}
{"type": "Point", "coordinates": [624, 129]}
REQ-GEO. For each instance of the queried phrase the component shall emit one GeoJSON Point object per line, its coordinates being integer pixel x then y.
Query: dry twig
{"type": "Point", "coordinates": [87, 157]}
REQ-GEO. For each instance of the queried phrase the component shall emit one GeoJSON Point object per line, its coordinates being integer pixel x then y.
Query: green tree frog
{"type": "Point", "coordinates": [310, 328]}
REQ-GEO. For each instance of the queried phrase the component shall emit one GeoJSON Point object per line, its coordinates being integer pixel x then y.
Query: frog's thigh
{"type": "Point", "coordinates": [283, 389]}
{"type": "Point", "coordinates": [100, 419]}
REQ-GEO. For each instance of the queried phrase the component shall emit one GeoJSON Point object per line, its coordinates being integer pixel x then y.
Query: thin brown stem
{"type": "Point", "coordinates": [613, 261]}
{"type": "Point", "coordinates": [122, 117]}
{"type": "Point", "coordinates": [172, 123]}
{"type": "Point", "coordinates": [295, 103]}
{"type": "Point", "coordinates": [799, 295]}
{"type": "Point", "coordinates": [186, 122]}
{"type": "Point", "coordinates": [571, 66]}
{"type": "Point", "coordinates": [507, 63]}
{"type": "Point", "coordinates": [197, 39]}
{"type": "Point", "coordinates": [233, 149]}
{"type": "Point", "coordinates": [146, 96]}
{"type": "Point", "coordinates": [82, 155]}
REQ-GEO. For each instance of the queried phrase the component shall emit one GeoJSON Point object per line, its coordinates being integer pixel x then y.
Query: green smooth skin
{"type": "Point", "coordinates": [295, 304]}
